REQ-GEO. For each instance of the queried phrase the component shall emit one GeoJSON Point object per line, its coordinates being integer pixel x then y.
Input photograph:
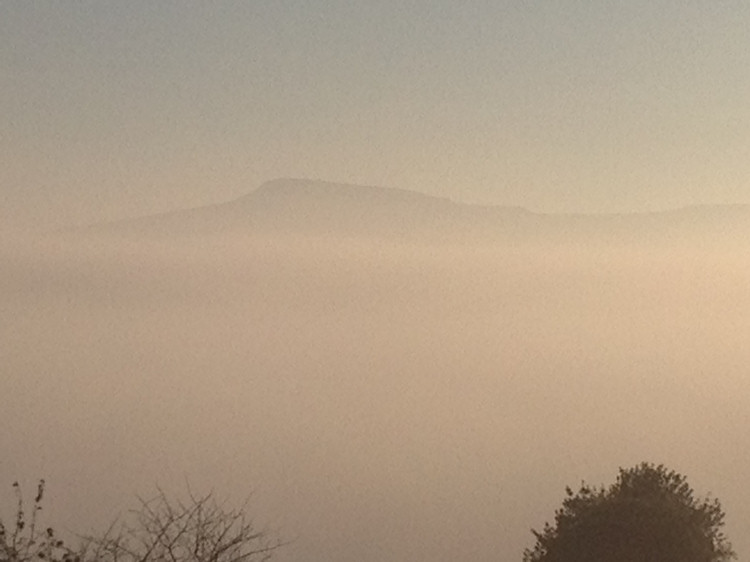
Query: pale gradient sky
{"type": "Point", "coordinates": [115, 109]}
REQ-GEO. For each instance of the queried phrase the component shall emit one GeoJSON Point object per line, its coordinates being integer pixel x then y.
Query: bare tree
{"type": "Point", "coordinates": [23, 541]}
{"type": "Point", "coordinates": [198, 530]}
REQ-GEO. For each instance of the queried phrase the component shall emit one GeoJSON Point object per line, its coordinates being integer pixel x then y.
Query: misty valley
{"type": "Point", "coordinates": [392, 376]}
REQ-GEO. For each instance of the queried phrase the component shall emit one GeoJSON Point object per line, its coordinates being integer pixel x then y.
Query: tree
{"type": "Point", "coordinates": [24, 541]}
{"type": "Point", "coordinates": [199, 529]}
{"type": "Point", "coordinates": [650, 514]}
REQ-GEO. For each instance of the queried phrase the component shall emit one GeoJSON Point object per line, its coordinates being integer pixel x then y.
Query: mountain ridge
{"type": "Point", "coordinates": [317, 207]}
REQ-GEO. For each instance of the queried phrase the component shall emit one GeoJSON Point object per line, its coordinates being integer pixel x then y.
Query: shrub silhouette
{"type": "Point", "coordinates": [199, 529]}
{"type": "Point", "coordinates": [23, 541]}
{"type": "Point", "coordinates": [649, 514]}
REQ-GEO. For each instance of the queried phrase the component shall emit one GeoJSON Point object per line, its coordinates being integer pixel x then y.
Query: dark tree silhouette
{"type": "Point", "coordinates": [198, 529]}
{"type": "Point", "coordinates": [650, 514]}
{"type": "Point", "coordinates": [165, 530]}
{"type": "Point", "coordinates": [25, 540]}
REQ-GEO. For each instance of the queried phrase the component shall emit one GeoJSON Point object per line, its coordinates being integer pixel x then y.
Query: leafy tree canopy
{"type": "Point", "coordinates": [650, 514]}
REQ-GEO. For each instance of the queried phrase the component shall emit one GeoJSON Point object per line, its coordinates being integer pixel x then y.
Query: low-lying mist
{"type": "Point", "coordinates": [382, 398]}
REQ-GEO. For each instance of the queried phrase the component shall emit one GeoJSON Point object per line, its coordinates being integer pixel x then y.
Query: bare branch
{"type": "Point", "coordinates": [199, 529]}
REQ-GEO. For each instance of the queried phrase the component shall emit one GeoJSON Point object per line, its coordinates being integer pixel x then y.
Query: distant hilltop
{"type": "Point", "coordinates": [324, 190]}
{"type": "Point", "coordinates": [303, 207]}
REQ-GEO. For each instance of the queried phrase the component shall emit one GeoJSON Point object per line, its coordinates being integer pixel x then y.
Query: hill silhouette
{"type": "Point", "coordinates": [317, 208]}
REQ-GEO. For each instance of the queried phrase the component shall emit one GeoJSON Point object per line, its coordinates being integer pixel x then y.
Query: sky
{"type": "Point", "coordinates": [118, 109]}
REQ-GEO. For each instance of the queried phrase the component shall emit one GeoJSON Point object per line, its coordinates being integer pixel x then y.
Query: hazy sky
{"type": "Point", "coordinates": [114, 109]}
